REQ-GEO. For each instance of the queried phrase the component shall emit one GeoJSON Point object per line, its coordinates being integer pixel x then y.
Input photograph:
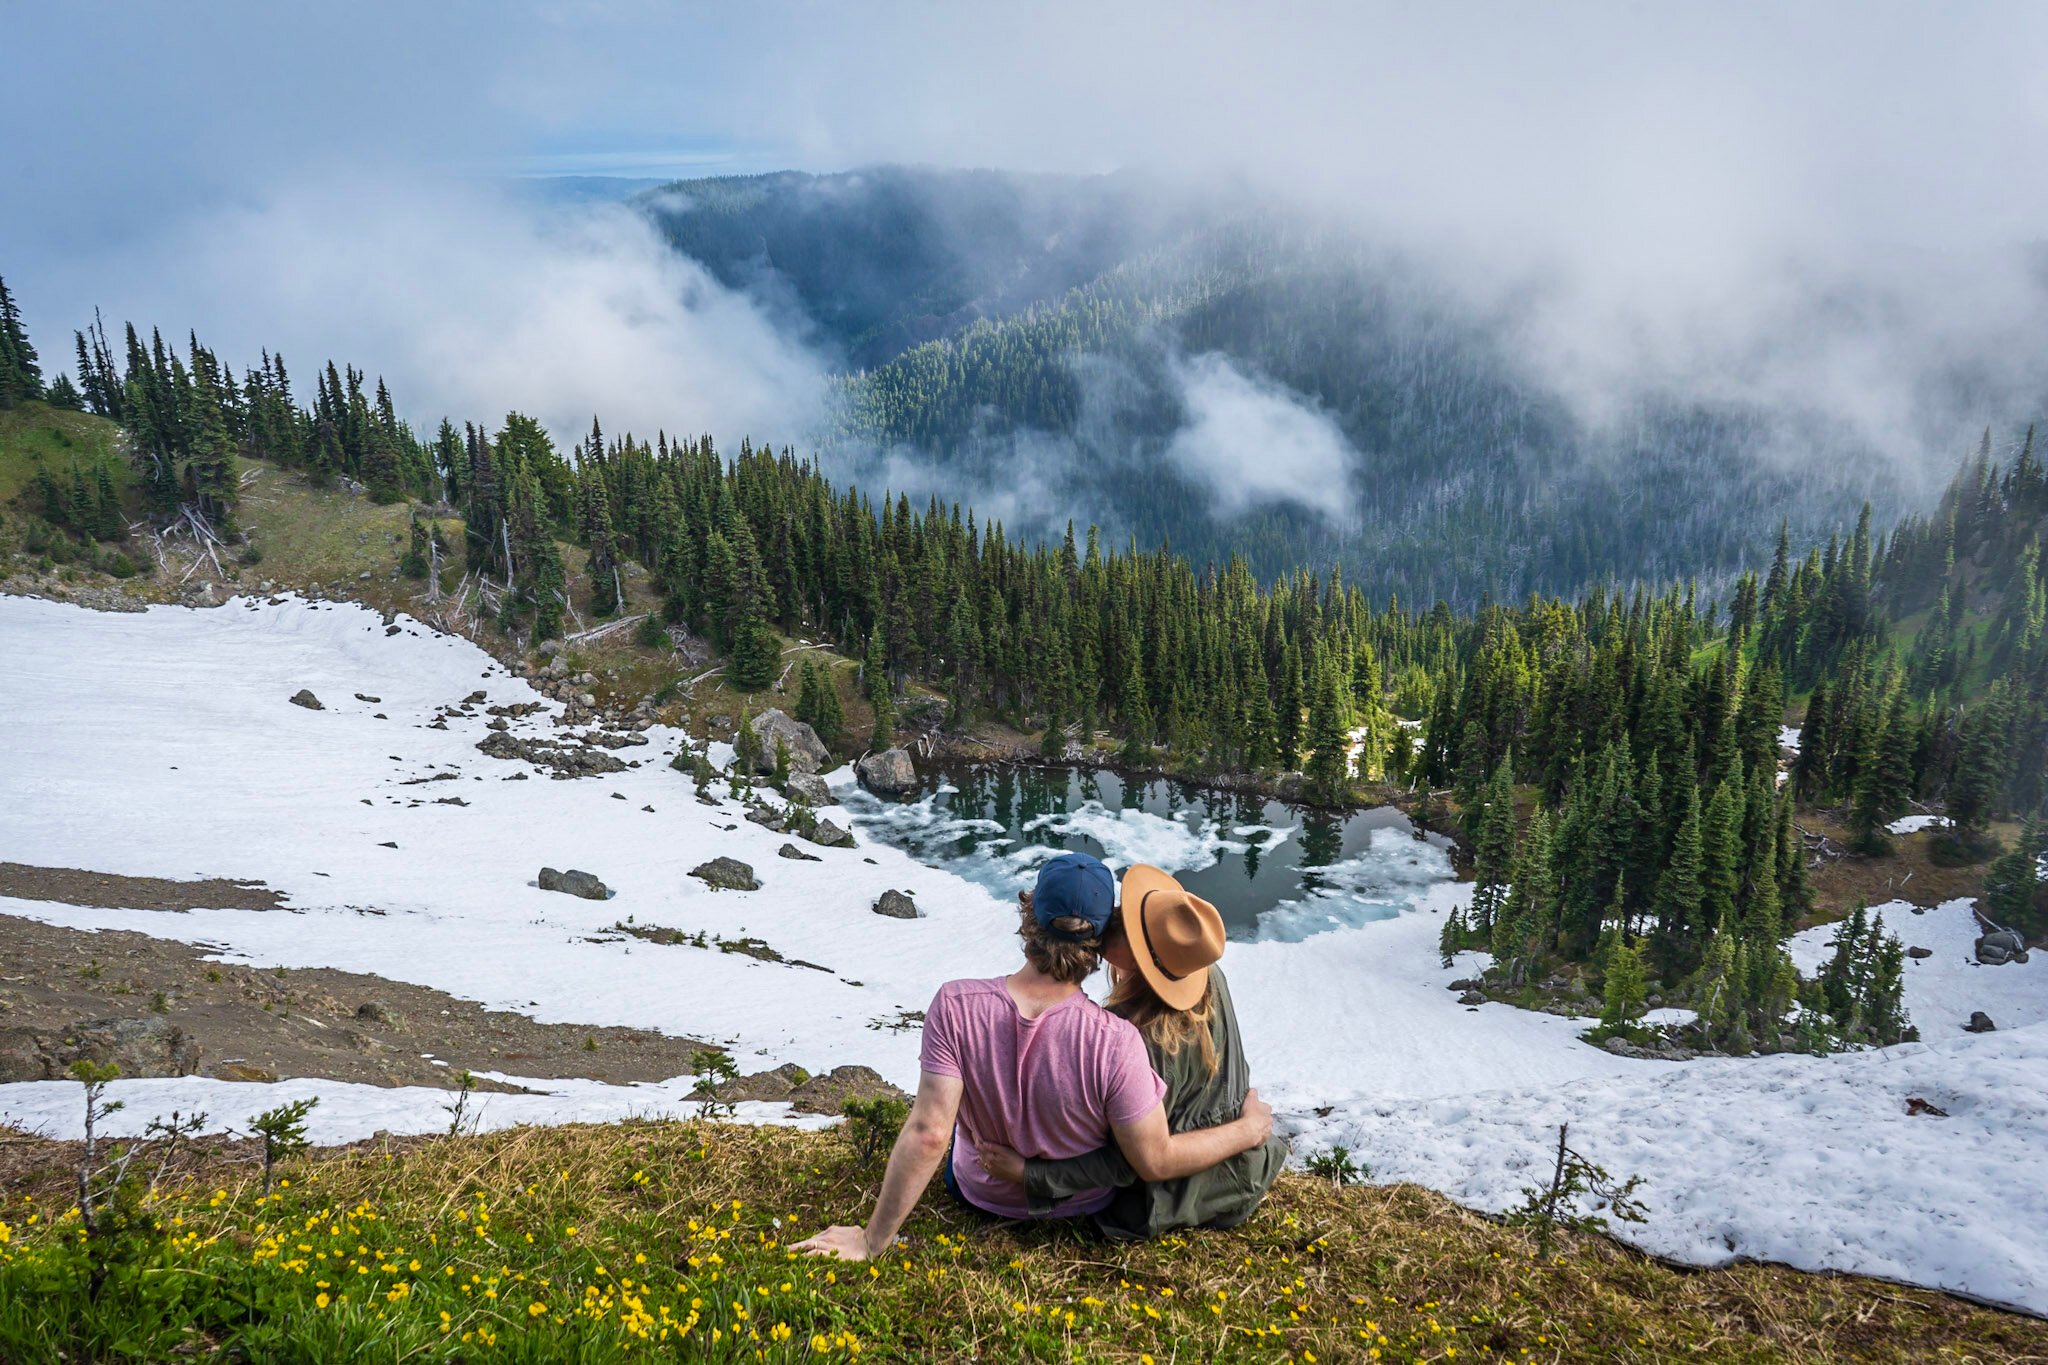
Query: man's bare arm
{"type": "Point", "coordinates": [919, 1149]}
{"type": "Point", "coordinates": [1156, 1153]}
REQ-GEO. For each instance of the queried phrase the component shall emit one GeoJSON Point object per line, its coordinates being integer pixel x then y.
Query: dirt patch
{"type": "Point", "coordinates": [1908, 872]}
{"type": "Point", "coordinates": [107, 891]}
{"type": "Point", "coordinates": [261, 1024]}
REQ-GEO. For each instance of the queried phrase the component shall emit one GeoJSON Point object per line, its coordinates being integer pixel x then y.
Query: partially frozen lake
{"type": "Point", "coordinates": [1276, 872]}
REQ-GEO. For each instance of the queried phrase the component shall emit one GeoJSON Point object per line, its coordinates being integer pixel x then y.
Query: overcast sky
{"type": "Point", "coordinates": [1675, 169]}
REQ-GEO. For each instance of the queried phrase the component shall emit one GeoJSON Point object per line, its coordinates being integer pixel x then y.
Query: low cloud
{"type": "Point", "coordinates": [1251, 442]}
{"type": "Point", "coordinates": [473, 304]}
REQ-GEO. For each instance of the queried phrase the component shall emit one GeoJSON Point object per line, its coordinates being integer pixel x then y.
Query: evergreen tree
{"type": "Point", "coordinates": [1622, 1000]}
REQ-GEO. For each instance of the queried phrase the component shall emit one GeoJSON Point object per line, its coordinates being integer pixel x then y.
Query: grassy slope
{"type": "Point", "coordinates": [569, 1243]}
{"type": "Point", "coordinates": [36, 434]}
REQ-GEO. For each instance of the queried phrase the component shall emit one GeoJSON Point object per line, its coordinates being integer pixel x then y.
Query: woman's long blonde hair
{"type": "Point", "coordinates": [1163, 1026]}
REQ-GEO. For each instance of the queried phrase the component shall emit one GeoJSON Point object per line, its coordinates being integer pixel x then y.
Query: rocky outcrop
{"type": "Point", "coordinates": [889, 773]}
{"type": "Point", "coordinates": [896, 905]}
{"type": "Point", "coordinates": [304, 697]}
{"type": "Point", "coordinates": [561, 760]}
{"type": "Point", "coordinates": [2001, 946]}
{"type": "Point", "coordinates": [574, 883]}
{"type": "Point", "coordinates": [828, 1093]}
{"type": "Point", "coordinates": [807, 753]}
{"type": "Point", "coordinates": [726, 874]}
{"type": "Point", "coordinates": [149, 1046]}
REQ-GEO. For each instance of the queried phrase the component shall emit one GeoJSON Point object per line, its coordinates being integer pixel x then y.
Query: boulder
{"type": "Point", "coordinates": [826, 1094]}
{"type": "Point", "coordinates": [726, 874]}
{"type": "Point", "coordinates": [896, 905]}
{"type": "Point", "coordinates": [828, 835]}
{"type": "Point", "coordinates": [807, 753]}
{"type": "Point", "coordinates": [1920, 953]}
{"type": "Point", "coordinates": [793, 852]}
{"type": "Point", "coordinates": [808, 788]}
{"type": "Point", "coordinates": [1471, 997]}
{"type": "Point", "coordinates": [574, 883]}
{"type": "Point", "coordinates": [1980, 1022]}
{"type": "Point", "coordinates": [889, 773]}
{"type": "Point", "coordinates": [304, 697]}
{"type": "Point", "coordinates": [767, 818]}
{"type": "Point", "coordinates": [149, 1046]}
{"type": "Point", "coordinates": [2001, 946]}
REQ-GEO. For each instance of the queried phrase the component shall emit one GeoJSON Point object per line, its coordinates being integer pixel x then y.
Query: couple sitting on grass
{"type": "Point", "coordinates": [1035, 1102]}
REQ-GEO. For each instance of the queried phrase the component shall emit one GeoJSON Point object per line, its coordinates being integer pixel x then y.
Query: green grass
{"type": "Point", "coordinates": [36, 435]}
{"type": "Point", "coordinates": [671, 1240]}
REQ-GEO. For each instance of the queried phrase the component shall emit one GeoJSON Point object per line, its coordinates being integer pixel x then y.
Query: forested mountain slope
{"type": "Point", "coordinates": [1216, 373]}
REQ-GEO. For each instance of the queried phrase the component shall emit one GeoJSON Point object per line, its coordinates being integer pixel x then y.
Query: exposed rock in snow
{"type": "Point", "coordinates": [726, 874]}
{"type": "Point", "coordinates": [830, 835]}
{"type": "Point", "coordinates": [889, 773]}
{"type": "Point", "coordinates": [573, 883]}
{"type": "Point", "coordinates": [807, 753]}
{"type": "Point", "coordinates": [896, 905]}
{"type": "Point", "coordinates": [304, 697]}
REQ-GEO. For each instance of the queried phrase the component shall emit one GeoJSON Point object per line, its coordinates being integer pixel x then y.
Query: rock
{"type": "Point", "coordinates": [793, 852]}
{"type": "Point", "coordinates": [1472, 997]}
{"type": "Point", "coordinates": [807, 752]}
{"type": "Point", "coordinates": [808, 788]}
{"type": "Point", "coordinates": [771, 820]}
{"type": "Point", "coordinates": [1663, 1052]}
{"type": "Point", "coordinates": [242, 1071]}
{"type": "Point", "coordinates": [305, 698]}
{"type": "Point", "coordinates": [826, 1094]}
{"type": "Point", "coordinates": [897, 905]}
{"type": "Point", "coordinates": [2001, 946]}
{"type": "Point", "coordinates": [363, 577]}
{"type": "Point", "coordinates": [765, 1085]}
{"type": "Point", "coordinates": [377, 1012]}
{"type": "Point", "coordinates": [726, 874]}
{"type": "Point", "coordinates": [149, 1046]}
{"type": "Point", "coordinates": [1464, 983]}
{"type": "Point", "coordinates": [364, 696]}
{"type": "Point", "coordinates": [828, 835]}
{"type": "Point", "coordinates": [574, 883]}
{"type": "Point", "coordinates": [22, 1057]}
{"type": "Point", "coordinates": [1922, 953]}
{"type": "Point", "coordinates": [475, 698]}
{"type": "Point", "coordinates": [889, 773]}
{"type": "Point", "coordinates": [1980, 1022]}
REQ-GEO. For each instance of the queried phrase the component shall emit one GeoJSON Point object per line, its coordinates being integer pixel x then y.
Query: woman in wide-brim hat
{"type": "Point", "coordinates": [1163, 950]}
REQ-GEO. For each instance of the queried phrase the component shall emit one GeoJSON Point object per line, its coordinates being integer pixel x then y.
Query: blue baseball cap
{"type": "Point", "coordinates": [1076, 885]}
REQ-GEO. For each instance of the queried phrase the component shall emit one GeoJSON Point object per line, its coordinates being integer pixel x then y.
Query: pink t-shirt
{"type": "Point", "coordinates": [1048, 1087]}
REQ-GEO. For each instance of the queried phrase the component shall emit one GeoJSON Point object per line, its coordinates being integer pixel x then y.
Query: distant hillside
{"type": "Point", "coordinates": [1096, 349]}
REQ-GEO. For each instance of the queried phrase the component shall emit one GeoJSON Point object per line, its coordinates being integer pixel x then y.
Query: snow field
{"type": "Point", "coordinates": [163, 744]}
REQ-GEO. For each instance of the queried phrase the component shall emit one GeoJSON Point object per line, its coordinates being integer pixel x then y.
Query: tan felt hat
{"type": "Point", "coordinates": [1175, 936]}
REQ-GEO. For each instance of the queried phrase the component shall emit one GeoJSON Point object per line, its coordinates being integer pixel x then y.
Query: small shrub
{"type": "Point", "coordinates": [283, 1131]}
{"type": "Point", "coordinates": [713, 1070]}
{"type": "Point", "coordinates": [872, 1125]}
{"type": "Point", "coordinates": [1549, 1208]}
{"type": "Point", "coordinates": [1337, 1167]}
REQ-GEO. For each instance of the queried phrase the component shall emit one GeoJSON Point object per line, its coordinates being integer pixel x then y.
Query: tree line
{"type": "Point", "coordinates": [1616, 761]}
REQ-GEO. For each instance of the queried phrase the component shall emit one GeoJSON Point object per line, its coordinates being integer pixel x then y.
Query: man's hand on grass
{"type": "Point", "coordinates": [848, 1244]}
{"type": "Point", "coordinates": [999, 1161]}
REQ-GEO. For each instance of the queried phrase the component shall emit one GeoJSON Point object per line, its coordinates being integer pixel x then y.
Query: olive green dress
{"type": "Point", "coordinates": [1223, 1196]}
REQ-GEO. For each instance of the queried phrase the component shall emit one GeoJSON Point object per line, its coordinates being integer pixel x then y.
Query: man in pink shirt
{"type": "Point", "coordinates": [1030, 1062]}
